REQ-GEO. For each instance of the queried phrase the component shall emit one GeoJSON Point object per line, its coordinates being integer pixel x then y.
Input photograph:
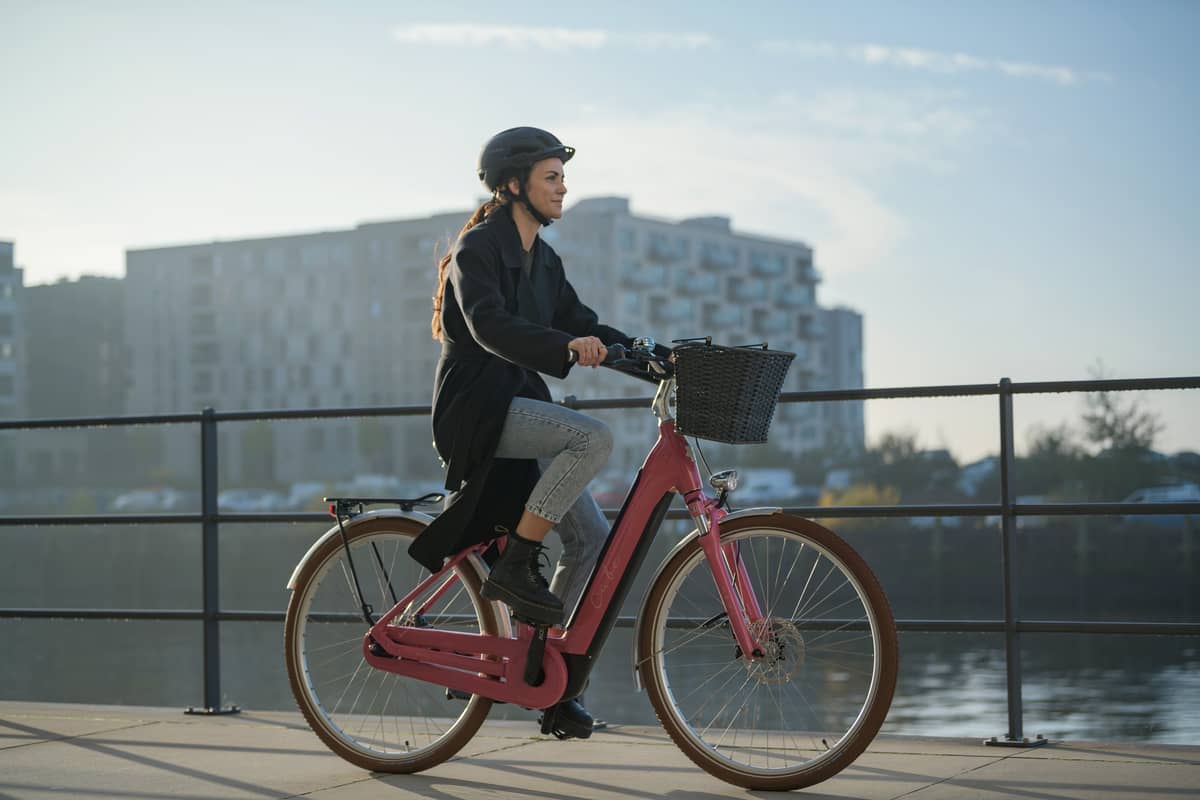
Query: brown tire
{"type": "Point", "coordinates": [375, 719]}
{"type": "Point", "coordinates": [813, 703]}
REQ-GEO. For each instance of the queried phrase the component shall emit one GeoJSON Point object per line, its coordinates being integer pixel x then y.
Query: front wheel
{"type": "Point", "coordinates": [813, 703]}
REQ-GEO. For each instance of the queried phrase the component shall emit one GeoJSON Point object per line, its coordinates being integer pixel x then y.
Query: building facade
{"type": "Point", "coordinates": [341, 319]}
{"type": "Point", "coordinates": [324, 320]}
{"type": "Point", "coordinates": [698, 277]}
{"type": "Point", "coordinates": [12, 358]}
{"type": "Point", "coordinates": [76, 365]}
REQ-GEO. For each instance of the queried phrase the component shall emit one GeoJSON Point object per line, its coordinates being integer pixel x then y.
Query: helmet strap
{"type": "Point", "coordinates": [542, 219]}
{"type": "Point", "coordinates": [523, 197]}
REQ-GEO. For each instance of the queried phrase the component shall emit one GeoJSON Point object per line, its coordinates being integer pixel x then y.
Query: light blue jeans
{"type": "Point", "coordinates": [571, 448]}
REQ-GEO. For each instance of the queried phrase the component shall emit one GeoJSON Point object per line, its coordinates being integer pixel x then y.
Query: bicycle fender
{"type": "Point", "coordinates": [684, 542]}
{"type": "Point", "coordinates": [383, 513]}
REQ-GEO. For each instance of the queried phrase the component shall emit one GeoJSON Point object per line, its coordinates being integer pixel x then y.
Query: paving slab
{"type": "Point", "coordinates": [61, 751]}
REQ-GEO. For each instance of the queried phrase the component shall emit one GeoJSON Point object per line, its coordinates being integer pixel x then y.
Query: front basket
{"type": "Point", "coordinates": [727, 394]}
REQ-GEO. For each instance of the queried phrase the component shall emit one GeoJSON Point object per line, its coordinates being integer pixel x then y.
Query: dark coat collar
{"type": "Point", "coordinates": [533, 302]}
{"type": "Point", "coordinates": [510, 240]}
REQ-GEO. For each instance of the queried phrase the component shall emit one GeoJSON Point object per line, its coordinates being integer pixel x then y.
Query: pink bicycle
{"type": "Point", "coordinates": [765, 643]}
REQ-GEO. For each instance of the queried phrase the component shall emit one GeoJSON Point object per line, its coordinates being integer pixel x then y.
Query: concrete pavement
{"type": "Point", "coordinates": [64, 751]}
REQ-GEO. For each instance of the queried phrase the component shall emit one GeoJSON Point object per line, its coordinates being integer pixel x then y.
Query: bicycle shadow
{"type": "Point", "coordinates": [430, 785]}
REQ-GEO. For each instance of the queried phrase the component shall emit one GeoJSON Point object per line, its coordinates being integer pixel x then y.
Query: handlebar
{"type": "Point", "coordinates": [640, 361]}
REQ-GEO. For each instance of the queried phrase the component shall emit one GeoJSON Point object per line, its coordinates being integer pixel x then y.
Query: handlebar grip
{"type": "Point", "coordinates": [616, 352]}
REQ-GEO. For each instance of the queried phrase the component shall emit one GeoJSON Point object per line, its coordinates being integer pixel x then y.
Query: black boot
{"type": "Point", "coordinates": [567, 720]}
{"type": "Point", "coordinates": [517, 580]}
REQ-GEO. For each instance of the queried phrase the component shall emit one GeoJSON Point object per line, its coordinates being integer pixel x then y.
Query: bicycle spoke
{"type": "Point", "coordinates": [777, 714]}
{"type": "Point", "coordinates": [370, 712]}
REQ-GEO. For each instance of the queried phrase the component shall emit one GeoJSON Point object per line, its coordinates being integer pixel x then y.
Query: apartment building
{"type": "Point", "coordinates": [698, 277]}
{"type": "Point", "coordinates": [341, 318]}
{"type": "Point", "coordinates": [11, 335]}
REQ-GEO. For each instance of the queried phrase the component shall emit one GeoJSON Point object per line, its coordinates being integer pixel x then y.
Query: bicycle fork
{"type": "Point", "coordinates": [729, 572]}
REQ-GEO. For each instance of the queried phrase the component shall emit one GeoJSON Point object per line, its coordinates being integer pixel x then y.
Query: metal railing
{"type": "Point", "coordinates": [1006, 509]}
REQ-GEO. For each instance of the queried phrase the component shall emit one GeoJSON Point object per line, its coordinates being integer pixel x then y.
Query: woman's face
{"type": "Point", "coordinates": [547, 187]}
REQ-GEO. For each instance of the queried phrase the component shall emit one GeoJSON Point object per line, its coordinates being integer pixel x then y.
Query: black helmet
{"type": "Point", "coordinates": [509, 152]}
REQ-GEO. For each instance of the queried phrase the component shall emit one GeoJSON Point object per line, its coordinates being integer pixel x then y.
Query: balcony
{"type": "Point", "coordinates": [718, 257]}
{"type": "Point", "coordinates": [769, 265]}
{"type": "Point", "coordinates": [748, 291]}
{"type": "Point", "coordinates": [643, 276]}
{"type": "Point", "coordinates": [795, 297]}
{"type": "Point", "coordinates": [696, 283]}
{"type": "Point", "coordinates": [774, 323]}
{"type": "Point", "coordinates": [806, 272]}
{"type": "Point", "coordinates": [677, 309]}
{"type": "Point", "coordinates": [724, 316]}
{"type": "Point", "coordinates": [667, 250]}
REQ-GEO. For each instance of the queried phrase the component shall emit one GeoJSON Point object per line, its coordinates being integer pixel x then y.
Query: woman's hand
{"type": "Point", "coordinates": [591, 351]}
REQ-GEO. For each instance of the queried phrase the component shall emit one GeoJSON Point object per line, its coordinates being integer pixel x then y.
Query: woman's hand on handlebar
{"type": "Point", "coordinates": [589, 351]}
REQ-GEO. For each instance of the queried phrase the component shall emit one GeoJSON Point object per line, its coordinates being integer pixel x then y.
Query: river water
{"type": "Point", "coordinates": [1081, 687]}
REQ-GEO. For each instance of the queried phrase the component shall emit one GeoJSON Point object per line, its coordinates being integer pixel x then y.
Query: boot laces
{"type": "Point", "coordinates": [537, 559]}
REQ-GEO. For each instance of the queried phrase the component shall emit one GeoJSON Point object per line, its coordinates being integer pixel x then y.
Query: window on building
{"type": "Point", "coordinates": [268, 379]}
{"type": "Point", "coordinates": [6, 350]}
{"type": "Point", "coordinates": [204, 323]}
{"type": "Point", "coordinates": [6, 289]}
{"type": "Point", "coordinates": [202, 266]}
{"type": "Point", "coordinates": [626, 240]}
{"type": "Point", "coordinates": [340, 254]}
{"type": "Point", "coordinates": [201, 294]}
{"type": "Point", "coordinates": [202, 381]}
{"type": "Point", "coordinates": [6, 325]}
{"type": "Point", "coordinates": [205, 353]}
{"type": "Point", "coordinates": [315, 255]}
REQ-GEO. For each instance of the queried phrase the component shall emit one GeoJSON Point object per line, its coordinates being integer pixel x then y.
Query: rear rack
{"type": "Point", "coordinates": [353, 506]}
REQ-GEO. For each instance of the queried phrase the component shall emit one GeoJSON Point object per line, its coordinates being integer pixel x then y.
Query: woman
{"type": "Point", "coordinates": [517, 464]}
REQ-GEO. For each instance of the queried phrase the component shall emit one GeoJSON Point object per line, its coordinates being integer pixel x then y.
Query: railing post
{"type": "Point", "coordinates": [1008, 560]}
{"type": "Point", "coordinates": [211, 568]}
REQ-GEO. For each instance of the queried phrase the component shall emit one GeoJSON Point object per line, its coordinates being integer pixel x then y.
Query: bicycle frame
{"type": "Point", "coordinates": [494, 666]}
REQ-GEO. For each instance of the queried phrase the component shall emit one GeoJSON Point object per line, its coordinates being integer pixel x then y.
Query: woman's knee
{"type": "Point", "coordinates": [598, 438]}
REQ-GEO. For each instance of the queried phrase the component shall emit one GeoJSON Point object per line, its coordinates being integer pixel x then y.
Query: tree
{"type": "Point", "coordinates": [1053, 465]}
{"type": "Point", "coordinates": [860, 494]}
{"type": "Point", "coordinates": [919, 475]}
{"type": "Point", "coordinates": [1111, 423]}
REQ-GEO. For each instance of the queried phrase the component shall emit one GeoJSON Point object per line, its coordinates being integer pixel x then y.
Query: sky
{"type": "Point", "coordinates": [1001, 189]}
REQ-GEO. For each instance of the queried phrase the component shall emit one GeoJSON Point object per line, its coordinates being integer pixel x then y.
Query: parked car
{"type": "Point", "coordinates": [250, 500]}
{"type": "Point", "coordinates": [143, 500]}
{"type": "Point", "coordinates": [1179, 493]}
{"type": "Point", "coordinates": [306, 495]}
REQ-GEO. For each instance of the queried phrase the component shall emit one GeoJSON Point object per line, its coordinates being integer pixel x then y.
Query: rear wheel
{"type": "Point", "coordinates": [375, 719]}
{"type": "Point", "coordinates": [817, 698]}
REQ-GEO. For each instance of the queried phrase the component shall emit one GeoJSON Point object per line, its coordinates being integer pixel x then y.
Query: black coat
{"type": "Point", "coordinates": [499, 332]}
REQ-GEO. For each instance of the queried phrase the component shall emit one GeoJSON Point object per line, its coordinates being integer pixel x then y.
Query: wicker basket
{"type": "Point", "coordinates": [727, 394]}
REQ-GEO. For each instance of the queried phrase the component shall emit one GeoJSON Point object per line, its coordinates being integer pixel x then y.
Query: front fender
{"type": "Point", "coordinates": [684, 542]}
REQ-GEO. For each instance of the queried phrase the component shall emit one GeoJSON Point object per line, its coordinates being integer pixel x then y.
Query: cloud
{"type": "Point", "coordinates": [769, 179]}
{"type": "Point", "coordinates": [927, 60]}
{"type": "Point", "coordinates": [559, 39]}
